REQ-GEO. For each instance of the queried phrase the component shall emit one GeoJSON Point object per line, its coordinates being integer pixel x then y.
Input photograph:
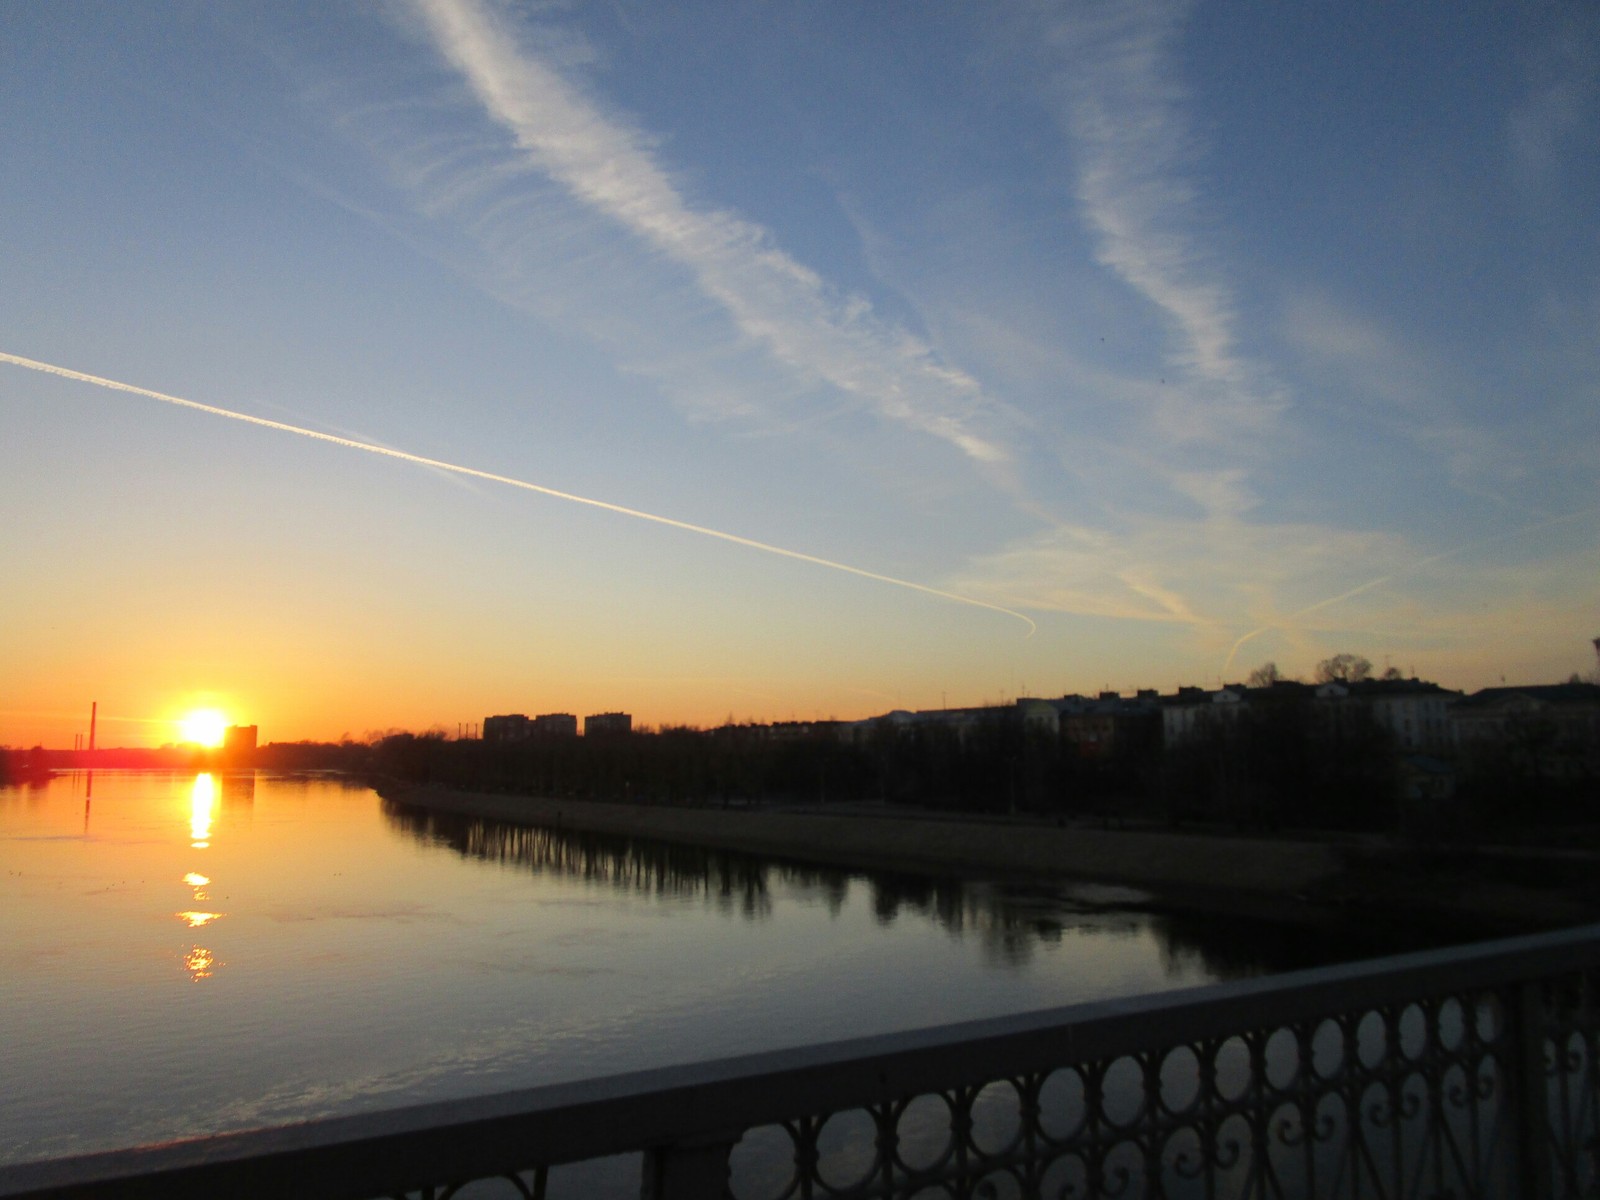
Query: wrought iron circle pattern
{"type": "Point", "coordinates": [1402, 1101]}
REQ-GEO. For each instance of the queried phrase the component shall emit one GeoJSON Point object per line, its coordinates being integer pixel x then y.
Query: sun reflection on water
{"type": "Point", "coordinates": [202, 799]}
{"type": "Point", "coordinates": [200, 963]}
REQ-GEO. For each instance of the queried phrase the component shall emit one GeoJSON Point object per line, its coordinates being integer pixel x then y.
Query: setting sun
{"type": "Point", "coordinates": [203, 727]}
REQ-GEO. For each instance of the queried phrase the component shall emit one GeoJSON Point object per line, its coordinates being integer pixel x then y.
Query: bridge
{"type": "Point", "coordinates": [1464, 1072]}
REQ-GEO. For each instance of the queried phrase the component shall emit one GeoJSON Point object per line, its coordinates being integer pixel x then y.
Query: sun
{"type": "Point", "coordinates": [203, 727]}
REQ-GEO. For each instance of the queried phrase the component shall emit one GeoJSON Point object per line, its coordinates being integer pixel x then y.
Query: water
{"type": "Point", "coordinates": [185, 954]}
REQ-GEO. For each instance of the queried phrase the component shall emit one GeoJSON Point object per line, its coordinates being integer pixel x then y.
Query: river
{"type": "Point", "coordinates": [190, 953]}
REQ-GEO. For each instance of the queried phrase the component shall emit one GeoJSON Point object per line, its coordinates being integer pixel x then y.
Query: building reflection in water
{"type": "Point", "coordinates": [1011, 919]}
{"type": "Point", "coordinates": [238, 789]}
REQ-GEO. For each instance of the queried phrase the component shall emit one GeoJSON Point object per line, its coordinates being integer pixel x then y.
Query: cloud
{"type": "Point", "coordinates": [1515, 588]}
{"type": "Point", "coordinates": [1115, 84]}
{"type": "Point", "coordinates": [1222, 494]}
{"type": "Point", "coordinates": [1554, 118]}
{"type": "Point", "coordinates": [1214, 575]}
{"type": "Point", "coordinates": [1406, 394]}
{"type": "Point", "coordinates": [775, 302]}
{"type": "Point", "coordinates": [1242, 593]}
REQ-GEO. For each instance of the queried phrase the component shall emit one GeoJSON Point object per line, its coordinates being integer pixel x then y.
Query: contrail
{"type": "Point", "coordinates": [1421, 562]}
{"type": "Point", "coordinates": [1309, 609]}
{"type": "Point", "coordinates": [403, 456]}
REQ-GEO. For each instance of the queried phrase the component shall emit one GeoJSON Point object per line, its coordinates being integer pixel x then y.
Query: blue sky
{"type": "Point", "coordinates": [1195, 336]}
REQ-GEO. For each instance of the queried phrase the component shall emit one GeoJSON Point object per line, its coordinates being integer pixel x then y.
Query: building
{"type": "Point", "coordinates": [509, 727]}
{"type": "Point", "coordinates": [1193, 713]}
{"type": "Point", "coordinates": [239, 740]}
{"type": "Point", "coordinates": [515, 727]}
{"type": "Point", "coordinates": [555, 725]}
{"type": "Point", "coordinates": [1425, 778]}
{"type": "Point", "coordinates": [1553, 726]}
{"type": "Point", "coordinates": [607, 724]}
{"type": "Point", "coordinates": [1040, 716]}
{"type": "Point", "coordinates": [1416, 713]}
{"type": "Point", "coordinates": [1105, 725]}
{"type": "Point", "coordinates": [801, 731]}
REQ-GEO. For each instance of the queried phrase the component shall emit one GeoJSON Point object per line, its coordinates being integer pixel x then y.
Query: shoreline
{"type": "Point", "coordinates": [1295, 879]}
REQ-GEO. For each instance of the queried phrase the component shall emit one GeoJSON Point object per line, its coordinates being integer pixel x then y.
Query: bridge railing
{"type": "Point", "coordinates": [1466, 1072]}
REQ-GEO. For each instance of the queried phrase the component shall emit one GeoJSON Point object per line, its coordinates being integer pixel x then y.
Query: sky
{"type": "Point", "coordinates": [785, 361]}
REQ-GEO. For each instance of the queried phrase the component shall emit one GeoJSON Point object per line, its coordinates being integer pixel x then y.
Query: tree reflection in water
{"type": "Point", "coordinates": [1011, 919]}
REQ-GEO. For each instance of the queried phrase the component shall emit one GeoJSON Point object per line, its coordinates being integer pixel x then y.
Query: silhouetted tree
{"type": "Point", "coordinates": [1265, 675]}
{"type": "Point", "coordinates": [1343, 668]}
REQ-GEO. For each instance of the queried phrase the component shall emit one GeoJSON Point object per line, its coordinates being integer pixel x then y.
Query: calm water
{"type": "Point", "coordinates": [184, 954]}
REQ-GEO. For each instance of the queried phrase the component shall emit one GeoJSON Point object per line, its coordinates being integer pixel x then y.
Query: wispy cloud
{"type": "Point", "coordinates": [1298, 592]}
{"type": "Point", "coordinates": [773, 300]}
{"type": "Point", "coordinates": [1415, 566]}
{"type": "Point", "coordinates": [1115, 81]}
{"type": "Point", "coordinates": [1213, 576]}
{"type": "Point", "coordinates": [1397, 390]}
{"type": "Point", "coordinates": [1555, 115]}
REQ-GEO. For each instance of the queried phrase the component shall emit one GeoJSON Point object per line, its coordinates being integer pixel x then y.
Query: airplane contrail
{"type": "Point", "coordinates": [473, 472]}
{"type": "Point", "coordinates": [1304, 612]}
{"type": "Point", "coordinates": [1382, 579]}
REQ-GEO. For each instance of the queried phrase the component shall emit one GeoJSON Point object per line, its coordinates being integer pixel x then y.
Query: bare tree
{"type": "Point", "coordinates": [1343, 668]}
{"type": "Point", "coordinates": [1265, 675]}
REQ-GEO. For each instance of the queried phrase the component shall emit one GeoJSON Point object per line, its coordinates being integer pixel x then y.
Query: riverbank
{"type": "Point", "coordinates": [1300, 878]}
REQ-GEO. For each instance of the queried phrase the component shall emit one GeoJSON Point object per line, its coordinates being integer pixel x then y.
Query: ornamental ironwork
{"type": "Point", "coordinates": [1423, 1099]}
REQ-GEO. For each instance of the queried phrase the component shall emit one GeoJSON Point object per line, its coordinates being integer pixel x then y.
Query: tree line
{"type": "Point", "coordinates": [1273, 767]}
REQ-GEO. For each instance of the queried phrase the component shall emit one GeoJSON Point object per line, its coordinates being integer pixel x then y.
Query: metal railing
{"type": "Point", "coordinates": [1468, 1072]}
